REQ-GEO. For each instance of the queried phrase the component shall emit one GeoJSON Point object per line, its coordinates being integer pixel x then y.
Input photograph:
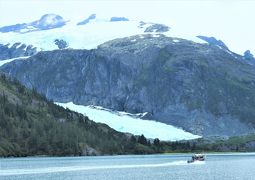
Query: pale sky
{"type": "Point", "coordinates": [229, 20]}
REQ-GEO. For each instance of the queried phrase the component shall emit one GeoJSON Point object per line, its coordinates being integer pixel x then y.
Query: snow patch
{"type": "Point", "coordinates": [19, 45]}
{"type": "Point", "coordinates": [50, 19]}
{"type": "Point", "coordinates": [126, 122]}
{"type": "Point", "coordinates": [141, 36]}
{"type": "Point", "coordinates": [184, 35]}
{"type": "Point", "coordinates": [176, 40]}
{"type": "Point", "coordinates": [219, 46]}
{"type": "Point", "coordinates": [10, 60]}
{"type": "Point", "coordinates": [156, 35]}
{"type": "Point", "coordinates": [227, 51]}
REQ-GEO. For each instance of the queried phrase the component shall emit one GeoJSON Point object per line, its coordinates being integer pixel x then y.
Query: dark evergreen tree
{"type": "Point", "coordinates": [156, 142]}
{"type": "Point", "coordinates": [142, 140]}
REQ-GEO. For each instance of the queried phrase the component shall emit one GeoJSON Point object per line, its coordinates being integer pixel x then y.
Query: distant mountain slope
{"type": "Point", "coordinates": [32, 125]}
{"type": "Point", "coordinates": [86, 21]}
{"type": "Point", "coordinates": [114, 19]}
{"type": "Point", "coordinates": [47, 21]}
{"type": "Point", "coordinates": [16, 50]}
{"type": "Point", "coordinates": [78, 33]}
{"type": "Point", "coordinates": [204, 89]}
{"type": "Point", "coordinates": [214, 41]}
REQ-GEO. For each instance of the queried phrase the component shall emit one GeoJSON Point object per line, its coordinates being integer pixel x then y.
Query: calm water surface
{"type": "Point", "coordinates": [217, 167]}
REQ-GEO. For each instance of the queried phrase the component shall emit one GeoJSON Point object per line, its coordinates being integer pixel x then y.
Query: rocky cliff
{"type": "Point", "coordinates": [202, 88]}
{"type": "Point", "coordinates": [8, 51]}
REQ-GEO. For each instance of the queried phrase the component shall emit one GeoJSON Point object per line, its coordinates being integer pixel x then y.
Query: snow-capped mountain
{"type": "Point", "coordinates": [46, 22]}
{"type": "Point", "coordinates": [127, 58]}
{"type": "Point", "coordinates": [84, 34]}
{"type": "Point", "coordinates": [178, 82]}
{"type": "Point", "coordinates": [214, 41]}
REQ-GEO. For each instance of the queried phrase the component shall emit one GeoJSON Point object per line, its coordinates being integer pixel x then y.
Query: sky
{"type": "Point", "coordinates": [229, 20]}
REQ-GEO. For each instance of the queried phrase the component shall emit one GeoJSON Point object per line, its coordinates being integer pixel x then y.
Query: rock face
{"type": "Point", "coordinates": [16, 50]}
{"type": "Point", "coordinates": [248, 55]}
{"type": "Point", "coordinates": [47, 21]}
{"type": "Point", "coordinates": [157, 28]}
{"type": "Point", "coordinates": [86, 21]}
{"type": "Point", "coordinates": [213, 41]}
{"type": "Point", "coordinates": [113, 19]}
{"type": "Point", "coordinates": [198, 87]}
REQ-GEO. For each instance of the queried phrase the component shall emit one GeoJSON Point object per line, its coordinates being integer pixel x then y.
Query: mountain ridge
{"type": "Point", "coordinates": [176, 81]}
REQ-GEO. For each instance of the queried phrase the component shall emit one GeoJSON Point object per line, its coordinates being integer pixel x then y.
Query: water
{"type": "Point", "coordinates": [216, 167]}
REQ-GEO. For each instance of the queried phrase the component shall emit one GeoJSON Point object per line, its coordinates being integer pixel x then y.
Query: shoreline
{"type": "Point", "coordinates": [118, 155]}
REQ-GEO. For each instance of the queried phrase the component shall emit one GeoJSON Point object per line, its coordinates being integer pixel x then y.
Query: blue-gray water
{"type": "Point", "coordinates": [216, 167]}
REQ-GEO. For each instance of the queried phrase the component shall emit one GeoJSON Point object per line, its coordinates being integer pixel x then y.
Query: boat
{"type": "Point", "coordinates": [197, 157]}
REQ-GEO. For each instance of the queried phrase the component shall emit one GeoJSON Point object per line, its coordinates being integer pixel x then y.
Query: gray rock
{"type": "Point", "coordinates": [86, 21]}
{"type": "Point", "coordinates": [156, 28]}
{"type": "Point", "coordinates": [89, 151]}
{"type": "Point", "coordinates": [16, 50]}
{"type": "Point", "coordinates": [248, 55]}
{"type": "Point", "coordinates": [213, 41]}
{"type": "Point", "coordinates": [114, 19]}
{"type": "Point", "coordinates": [47, 21]}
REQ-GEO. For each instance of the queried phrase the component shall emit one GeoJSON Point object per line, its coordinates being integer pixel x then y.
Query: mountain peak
{"type": "Point", "coordinates": [47, 21]}
{"type": "Point", "coordinates": [214, 41]}
{"type": "Point", "coordinates": [248, 55]}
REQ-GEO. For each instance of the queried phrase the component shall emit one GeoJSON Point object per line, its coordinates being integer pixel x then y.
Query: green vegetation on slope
{"type": "Point", "coordinates": [32, 125]}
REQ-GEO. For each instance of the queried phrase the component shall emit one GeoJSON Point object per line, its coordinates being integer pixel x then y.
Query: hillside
{"type": "Point", "coordinates": [203, 88]}
{"type": "Point", "coordinates": [32, 125]}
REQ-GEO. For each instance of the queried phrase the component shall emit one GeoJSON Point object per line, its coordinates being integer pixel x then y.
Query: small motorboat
{"type": "Point", "coordinates": [197, 157]}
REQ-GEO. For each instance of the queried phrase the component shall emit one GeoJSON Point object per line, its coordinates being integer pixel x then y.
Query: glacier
{"type": "Point", "coordinates": [88, 36]}
{"type": "Point", "coordinates": [131, 123]}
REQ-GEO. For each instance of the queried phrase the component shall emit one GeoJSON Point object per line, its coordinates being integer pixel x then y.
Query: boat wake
{"type": "Point", "coordinates": [13, 172]}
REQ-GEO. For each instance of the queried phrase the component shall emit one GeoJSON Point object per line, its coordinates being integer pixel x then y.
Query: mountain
{"type": "Point", "coordinates": [78, 34]}
{"type": "Point", "coordinates": [213, 41]}
{"type": "Point", "coordinates": [32, 125]}
{"type": "Point", "coordinates": [202, 88]}
{"type": "Point", "coordinates": [86, 21]}
{"type": "Point", "coordinates": [158, 28]}
{"type": "Point", "coordinates": [248, 55]}
{"type": "Point", "coordinates": [46, 22]}
{"type": "Point", "coordinates": [16, 50]}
